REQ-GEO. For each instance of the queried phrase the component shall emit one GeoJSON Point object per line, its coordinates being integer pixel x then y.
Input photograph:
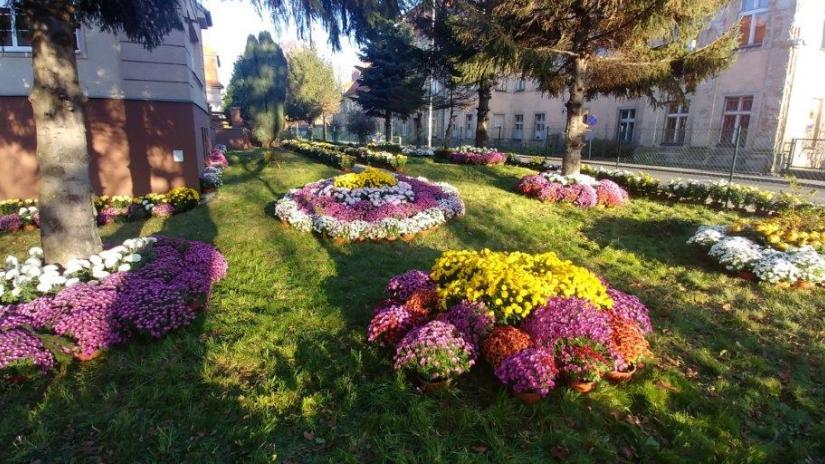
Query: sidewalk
{"type": "Point", "coordinates": [773, 184]}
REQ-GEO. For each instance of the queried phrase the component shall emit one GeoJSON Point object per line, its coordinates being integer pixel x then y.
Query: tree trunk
{"type": "Point", "coordinates": [418, 128]}
{"type": "Point", "coordinates": [324, 127]}
{"type": "Point", "coordinates": [485, 93]}
{"type": "Point", "coordinates": [388, 127]}
{"type": "Point", "coordinates": [576, 128]}
{"type": "Point", "coordinates": [67, 217]}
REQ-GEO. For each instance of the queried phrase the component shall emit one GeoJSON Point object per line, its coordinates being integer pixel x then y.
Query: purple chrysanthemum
{"type": "Point", "coordinates": [402, 286]}
{"type": "Point", "coordinates": [530, 370]}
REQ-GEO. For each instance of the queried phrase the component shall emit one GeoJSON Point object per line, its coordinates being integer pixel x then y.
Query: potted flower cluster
{"type": "Point", "coordinates": [476, 156]}
{"type": "Point", "coordinates": [436, 353]}
{"type": "Point", "coordinates": [326, 153]}
{"type": "Point", "coordinates": [143, 287]}
{"type": "Point", "coordinates": [535, 319]}
{"type": "Point", "coordinates": [581, 190]}
{"type": "Point", "coordinates": [740, 255]}
{"type": "Point", "coordinates": [370, 205]}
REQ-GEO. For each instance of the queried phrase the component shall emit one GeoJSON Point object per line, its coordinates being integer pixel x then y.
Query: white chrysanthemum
{"type": "Point", "coordinates": [776, 267]}
{"type": "Point", "coordinates": [811, 264]}
{"type": "Point", "coordinates": [708, 235]}
{"type": "Point", "coordinates": [736, 253]}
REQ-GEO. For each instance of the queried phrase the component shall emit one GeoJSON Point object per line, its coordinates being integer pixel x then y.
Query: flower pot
{"type": "Point", "coordinates": [209, 190]}
{"type": "Point", "coordinates": [88, 357]}
{"type": "Point", "coordinates": [617, 376]}
{"type": "Point", "coordinates": [580, 386]}
{"type": "Point", "coordinates": [528, 397]}
{"type": "Point", "coordinates": [340, 241]}
{"type": "Point", "coordinates": [747, 275]}
{"type": "Point", "coordinates": [429, 386]}
{"type": "Point", "coordinates": [30, 227]}
{"type": "Point", "coordinates": [407, 237]}
{"type": "Point", "coordinates": [802, 284]}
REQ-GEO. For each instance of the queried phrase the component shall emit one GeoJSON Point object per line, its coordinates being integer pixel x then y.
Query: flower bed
{"type": "Point", "coordinates": [581, 190]}
{"type": "Point", "coordinates": [720, 194]}
{"type": "Point", "coordinates": [371, 205]}
{"type": "Point", "coordinates": [345, 156]}
{"type": "Point", "coordinates": [535, 319]}
{"type": "Point", "coordinates": [476, 156]}
{"type": "Point", "coordinates": [326, 153]}
{"type": "Point", "coordinates": [142, 288]}
{"type": "Point", "coordinates": [418, 152]}
{"type": "Point", "coordinates": [385, 159]}
{"type": "Point", "coordinates": [740, 255]}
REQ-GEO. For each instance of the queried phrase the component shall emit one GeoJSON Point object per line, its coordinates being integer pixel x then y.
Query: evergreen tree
{"type": "Point", "coordinates": [624, 48]}
{"type": "Point", "coordinates": [313, 90]}
{"type": "Point", "coordinates": [259, 87]}
{"type": "Point", "coordinates": [393, 81]}
{"type": "Point", "coordinates": [362, 126]}
{"type": "Point", "coordinates": [68, 227]}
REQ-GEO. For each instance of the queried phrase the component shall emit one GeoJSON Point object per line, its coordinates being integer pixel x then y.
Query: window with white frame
{"type": "Point", "coordinates": [627, 124]}
{"type": "Point", "coordinates": [753, 22]}
{"type": "Point", "coordinates": [736, 119]}
{"type": "Point", "coordinates": [15, 34]}
{"type": "Point", "coordinates": [468, 123]}
{"type": "Point", "coordinates": [676, 123]}
{"type": "Point", "coordinates": [518, 126]}
{"type": "Point", "coordinates": [521, 85]}
{"type": "Point", "coordinates": [540, 127]}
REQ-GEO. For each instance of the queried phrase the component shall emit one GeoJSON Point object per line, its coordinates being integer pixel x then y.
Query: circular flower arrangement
{"type": "Point", "coordinates": [370, 205]}
{"type": "Point", "coordinates": [535, 319]}
{"type": "Point", "coordinates": [740, 255]}
{"type": "Point", "coordinates": [581, 190]}
{"type": "Point", "coordinates": [144, 287]}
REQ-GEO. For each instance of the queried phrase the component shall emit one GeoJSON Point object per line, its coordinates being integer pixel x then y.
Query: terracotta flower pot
{"type": "Point", "coordinates": [408, 237]}
{"type": "Point", "coordinates": [87, 357]}
{"type": "Point", "coordinates": [528, 397]}
{"type": "Point", "coordinates": [747, 275]}
{"type": "Point", "coordinates": [429, 386]}
{"type": "Point", "coordinates": [617, 376]}
{"type": "Point", "coordinates": [341, 241]}
{"type": "Point", "coordinates": [802, 284]}
{"type": "Point", "coordinates": [30, 227]}
{"type": "Point", "coordinates": [581, 387]}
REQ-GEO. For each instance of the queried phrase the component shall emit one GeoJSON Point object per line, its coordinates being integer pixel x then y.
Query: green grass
{"type": "Point", "coordinates": [278, 369]}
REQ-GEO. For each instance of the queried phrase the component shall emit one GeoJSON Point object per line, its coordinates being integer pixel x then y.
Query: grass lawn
{"type": "Point", "coordinates": [278, 369]}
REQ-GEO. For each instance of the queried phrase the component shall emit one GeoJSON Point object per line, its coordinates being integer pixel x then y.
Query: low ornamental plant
{"type": "Point", "coordinates": [435, 351]}
{"type": "Point", "coordinates": [580, 190]}
{"type": "Point", "coordinates": [582, 359]}
{"type": "Point", "coordinates": [503, 342]}
{"type": "Point", "coordinates": [477, 156]}
{"type": "Point", "coordinates": [628, 345]}
{"type": "Point", "coordinates": [532, 370]}
{"type": "Point", "coordinates": [512, 284]}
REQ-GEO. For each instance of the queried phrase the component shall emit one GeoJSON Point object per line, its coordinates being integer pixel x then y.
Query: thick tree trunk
{"type": "Point", "coordinates": [485, 93]}
{"type": "Point", "coordinates": [388, 127]}
{"type": "Point", "coordinates": [324, 128]}
{"type": "Point", "coordinates": [576, 128]}
{"type": "Point", "coordinates": [67, 217]}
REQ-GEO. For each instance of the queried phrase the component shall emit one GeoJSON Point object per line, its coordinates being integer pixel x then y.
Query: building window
{"type": "Point", "coordinates": [518, 126]}
{"type": "Point", "coordinates": [14, 30]}
{"type": "Point", "coordinates": [15, 33]}
{"type": "Point", "coordinates": [521, 85]}
{"type": "Point", "coordinates": [627, 123]}
{"type": "Point", "coordinates": [540, 128]}
{"type": "Point", "coordinates": [502, 85]}
{"type": "Point", "coordinates": [676, 123]}
{"type": "Point", "coordinates": [737, 118]}
{"type": "Point", "coordinates": [468, 123]}
{"type": "Point", "coordinates": [753, 22]}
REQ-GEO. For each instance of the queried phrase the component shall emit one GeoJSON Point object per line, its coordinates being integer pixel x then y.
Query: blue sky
{"type": "Point", "coordinates": [234, 20]}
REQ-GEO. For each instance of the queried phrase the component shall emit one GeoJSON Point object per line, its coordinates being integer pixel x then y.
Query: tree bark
{"type": "Point", "coordinates": [324, 127]}
{"type": "Point", "coordinates": [388, 127]}
{"type": "Point", "coordinates": [576, 128]}
{"type": "Point", "coordinates": [485, 93]}
{"type": "Point", "coordinates": [418, 128]}
{"type": "Point", "coordinates": [67, 217]}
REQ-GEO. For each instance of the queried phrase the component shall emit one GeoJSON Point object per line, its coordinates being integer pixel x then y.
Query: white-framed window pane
{"type": "Point", "coordinates": [750, 5]}
{"type": "Point", "coordinates": [5, 27]}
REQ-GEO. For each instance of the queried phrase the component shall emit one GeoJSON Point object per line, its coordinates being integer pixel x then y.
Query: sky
{"type": "Point", "coordinates": [234, 20]}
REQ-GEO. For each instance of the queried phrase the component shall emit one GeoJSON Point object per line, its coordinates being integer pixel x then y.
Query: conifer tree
{"type": "Point", "coordinates": [393, 82]}
{"type": "Point", "coordinates": [584, 48]}
{"type": "Point", "coordinates": [259, 87]}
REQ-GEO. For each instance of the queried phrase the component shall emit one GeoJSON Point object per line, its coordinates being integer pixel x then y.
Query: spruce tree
{"type": "Point", "coordinates": [259, 87]}
{"type": "Point", "coordinates": [584, 48]}
{"type": "Point", "coordinates": [392, 84]}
